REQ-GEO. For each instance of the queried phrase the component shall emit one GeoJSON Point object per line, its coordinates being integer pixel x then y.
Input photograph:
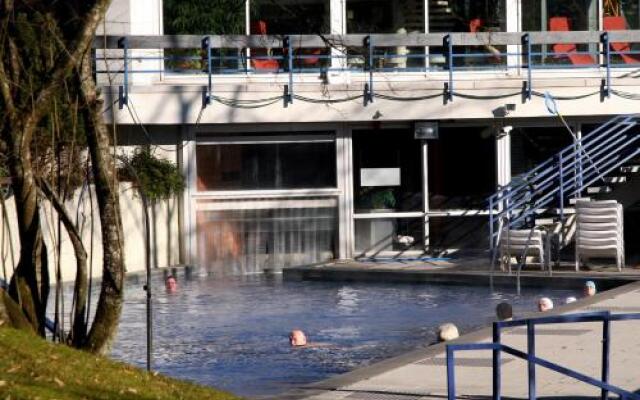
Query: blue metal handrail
{"type": "Point", "coordinates": [497, 348]}
{"type": "Point", "coordinates": [564, 175]}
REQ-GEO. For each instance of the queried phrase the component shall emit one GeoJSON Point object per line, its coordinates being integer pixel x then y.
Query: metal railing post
{"type": "Point", "coordinates": [531, 352]}
{"type": "Point", "coordinates": [368, 42]}
{"type": "Point", "coordinates": [448, 48]}
{"type": "Point", "coordinates": [288, 95]}
{"type": "Point", "coordinates": [496, 362]}
{"type": "Point", "coordinates": [491, 244]}
{"type": "Point", "coordinates": [526, 43]}
{"type": "Point", "coordinates": [606, 347]}
{"type": "Point", "coordinates": [451, 377]}
{"type": "Point", "coordinates": [123, 92]}
{"type": "Point", "coordinates": [206, 45]}
{"type": "Point", "coordinates": [604, 39]}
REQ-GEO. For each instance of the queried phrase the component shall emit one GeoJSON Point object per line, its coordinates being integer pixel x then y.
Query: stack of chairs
{"type": "Point", "coordinates": [599, 231]}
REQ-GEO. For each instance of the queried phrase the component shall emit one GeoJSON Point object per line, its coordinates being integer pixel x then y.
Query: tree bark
{"type": "Point", "coordinates": [30, 282]}
{"type": "Point", "coordinates": [107, 315]}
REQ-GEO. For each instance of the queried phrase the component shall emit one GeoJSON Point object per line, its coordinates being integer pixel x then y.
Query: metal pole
{"type": "Point", "coordinates": [451, 377]}
{"type": "Point", "coordinates": [448, 46]}
{"type": "Point", "coordinates": [496, 363]}
{"type": "Point", "coordinates": [531, 352]}
{"type": "Point", "coordinates": [606, 345]}
{"type": "Point", "coordinates": [147, 287]}
{"type": "Point", "coordinates": [561, 173]}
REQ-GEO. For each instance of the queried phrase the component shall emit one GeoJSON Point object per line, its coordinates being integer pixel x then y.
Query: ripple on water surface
{"type": "Point", "coordinates": [232, 333]}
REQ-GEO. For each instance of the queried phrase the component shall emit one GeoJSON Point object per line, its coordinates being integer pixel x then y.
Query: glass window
{"type": "Point", "coordinates": [387, 171]}
{"type": "Point", "coordinates": [248, 238]}
{"type": "Point", "coordinates": [266, 166]}
{"type": "Point", "coordinates": [387, 16]}
{"type": "Point", "coordinates": [558, 16]}
{"type": "Point", "coordinates": [219, 17]}
{"type": "Point", "coordinates": [462, 176]}
{"type": "Point", "coordinates": [622, 15]}
{"type": "Point", "coordinates": [389, 234]}
{"type": "Point", "coordinates": [463, 233]}
{"type": "Point", "coordinates": [290, 17]}
{"type": "Point", "coordinates": [468, 16]}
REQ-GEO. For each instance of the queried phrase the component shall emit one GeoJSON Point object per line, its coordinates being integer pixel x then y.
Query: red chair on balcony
{"type": "Point", "coordinates": [260, 28]}
{"type": "Point", "coordinates": [569, 50]}
{"type": "Point", "coordinates": [612, 23]}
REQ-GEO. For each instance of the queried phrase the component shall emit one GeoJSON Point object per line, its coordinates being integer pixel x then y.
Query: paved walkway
{"type": "Point", "coordinates": [421, 375]}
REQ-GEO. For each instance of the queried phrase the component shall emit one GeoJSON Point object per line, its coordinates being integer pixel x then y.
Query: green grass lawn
{"type": "Point", "coordinates": [32, 368]}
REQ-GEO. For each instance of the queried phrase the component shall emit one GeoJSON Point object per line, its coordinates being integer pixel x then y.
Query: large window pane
{"type": "Point", "coordinates": [386, 16]}
{"type": "Point", "coordinates": [266, 166]}
{"type": "Point", "coordinates": [241, 241]}
{"type": "Point", "coordinates": [387, 171]}
{"type": "Point", "coordinates": [622, 15]}
{"type": "Point", "coordinates": [468, 16]}
{"type": "Point", "coordinates": [558, 16]}
{"type": "Point", "coordinates": [221, 17]}
{"type": "Point", "coordinates": [290, 17]}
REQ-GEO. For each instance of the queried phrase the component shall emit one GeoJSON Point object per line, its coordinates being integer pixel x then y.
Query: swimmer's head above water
{"type": "Point", "coordinates": [297, 338]}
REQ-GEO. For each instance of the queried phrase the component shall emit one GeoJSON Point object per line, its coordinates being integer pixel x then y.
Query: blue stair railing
{"type": "Point", "coordinates": [497, 347]}
{"type": "Point", "coordinates": [565, 175]}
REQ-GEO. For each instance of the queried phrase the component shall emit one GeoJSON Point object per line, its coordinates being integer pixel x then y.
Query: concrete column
{"type": "Point", "coordinates": [503, 156]}
{"type": "Point", "coordinates": [345, 185]}
{"type": "Point", "coordinates": [425, 192]}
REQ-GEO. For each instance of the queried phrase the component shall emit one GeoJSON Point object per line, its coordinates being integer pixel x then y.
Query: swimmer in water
{"type": "Point", "coordinates": [589, 289]}
{"type": "Point", "coordinates": [447, 332]}
{"type": "Point", "coordinates": [297, 338]}
{"type": "Point", "coordinates": [545, 304]}
{"type": "Point", "coordinates": [171, 284]}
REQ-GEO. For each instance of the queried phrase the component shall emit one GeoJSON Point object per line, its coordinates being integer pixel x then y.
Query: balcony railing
{"type": "Point", "coordinates": [517, 53]}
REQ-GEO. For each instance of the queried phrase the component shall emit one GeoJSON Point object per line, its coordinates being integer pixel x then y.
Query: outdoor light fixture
{"type": "Point", "coordinates": [425, 130]}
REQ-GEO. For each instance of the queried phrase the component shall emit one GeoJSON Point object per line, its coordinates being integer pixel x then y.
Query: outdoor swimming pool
{"type": "Point", "coordinates": [232, 333]}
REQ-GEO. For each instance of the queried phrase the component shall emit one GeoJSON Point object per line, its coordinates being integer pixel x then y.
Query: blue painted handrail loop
{"type": "Point", "coordinates": [532, 360]}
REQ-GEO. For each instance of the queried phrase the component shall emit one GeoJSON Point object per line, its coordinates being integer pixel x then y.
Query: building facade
{"type": "Point", "coordinates": [339, 129]}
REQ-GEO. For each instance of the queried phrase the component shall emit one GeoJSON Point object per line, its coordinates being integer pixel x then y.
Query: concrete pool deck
{"type": "Point", "coordinates": [465, 271]}
{"type": "Point", "coordinates": [421, 374]}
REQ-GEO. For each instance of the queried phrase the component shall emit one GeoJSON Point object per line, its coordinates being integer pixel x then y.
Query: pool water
{"type": "Point", "coordinates": [232, 333]}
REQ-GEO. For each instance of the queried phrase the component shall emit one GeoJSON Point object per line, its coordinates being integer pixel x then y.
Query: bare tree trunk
{"type": "Point", "coordinates": [30, 283]}
{"type": "Point", "coordinates": [105, 322]}
{"type": "Point", "coordinates": [79, 328]}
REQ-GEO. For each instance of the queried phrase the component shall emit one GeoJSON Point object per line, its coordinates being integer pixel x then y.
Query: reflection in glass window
{"type": "Point", "coordinates": [387, 16]}
{"type": "Point", "coordinates": [266, 166]}
{"type": "Point", "coordinates": [622, 15]}
{"type": "Point", "coordinates": [468, 16]}
{"type": "Point", "coordinates": [216, 17]}
{"type": "Point", "coordinates": [562, 16]}
{"type": "Point", "coordinates": [244, 240]}
{"type": "Point", "coordinates": [290, 17]}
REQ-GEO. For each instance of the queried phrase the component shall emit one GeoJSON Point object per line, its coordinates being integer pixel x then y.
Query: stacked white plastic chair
{"type": "Point", "coordinates": [522, 242]}
{"type": "Point", "coordinates": [599, 231]}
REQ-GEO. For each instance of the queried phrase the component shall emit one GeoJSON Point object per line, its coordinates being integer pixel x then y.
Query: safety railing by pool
{"type": "Point", "coordinates": [496, 346]}
{"type": "Point", "coordinates": [522, 53]}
